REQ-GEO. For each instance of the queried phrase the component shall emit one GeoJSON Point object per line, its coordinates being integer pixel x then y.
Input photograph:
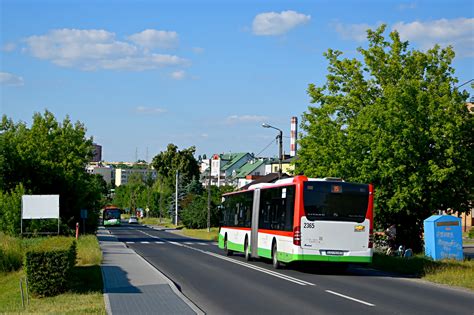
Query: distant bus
{"type": "Point", "coordinates": [111, 216]}
{"type": "Point", "coordinates": [300, 219]}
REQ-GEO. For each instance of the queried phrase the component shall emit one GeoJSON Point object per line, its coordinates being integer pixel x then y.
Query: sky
{"type": "Point", "coordinates": [142, 74]}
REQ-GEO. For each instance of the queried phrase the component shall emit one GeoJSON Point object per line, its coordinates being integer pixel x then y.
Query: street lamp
{"type": "Point", "coordinates": [280, 144]}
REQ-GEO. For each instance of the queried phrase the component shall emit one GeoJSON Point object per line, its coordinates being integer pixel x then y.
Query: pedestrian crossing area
{"type": "Point", "coordinates": [164, 242]}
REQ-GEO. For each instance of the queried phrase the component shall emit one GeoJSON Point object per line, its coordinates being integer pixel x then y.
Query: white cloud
{"type": "Point", "coordinates": [457, 32]}
{"type": "Point", "coordinates": [149, 110]}
{"type": "Point", "coordinates": [96, 49]}
{"type": "Point", "coordinates": [407, 6]}
{"type": "Point", "coordinates": [198, 50]}
{"type": "Point", "coordinates": [357, 32]}
{"type": "Point", "coordinates": [273, 23]}
{"type": "Point", "coordinates": [245, 119]}
{"type": "Point", "coordinates": [150, 39]}
{"type": "Point", "coordinates": [9, 47]}
{"type": "Point", "coordinates": [178, 75]}
{"type": "Point", "coordinates": [10, 79]}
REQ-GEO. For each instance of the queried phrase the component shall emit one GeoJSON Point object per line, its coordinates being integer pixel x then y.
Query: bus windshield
{"type": "Point", "coordinates": [110, 214]}
{"type": "Point", "coordinates": [335, 201]}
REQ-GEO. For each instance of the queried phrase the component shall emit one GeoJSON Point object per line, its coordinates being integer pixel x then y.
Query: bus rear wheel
{"type": "Point", "coordinates": [227, 251]}
{"type": "Point", "coordinates": [276, 264]}
{"type": "Point", "coordinates": [248, 257]}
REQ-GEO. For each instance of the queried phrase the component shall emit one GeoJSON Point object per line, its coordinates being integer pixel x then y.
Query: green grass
{"type": "Point", "coordinates": [202, 233]}
{"type": "Point", "coordinates": [165, 222]}
{"type": "Point", "coordinates": [454, 273]}
{"type": "Point", "coordinates": [88, 251]}
{"type": "Point", "coordinates": [449, 272]}
{"type": "Point", "coordinates": [85, 284]}
{"type": "Point", "coordinates": [11, 253]}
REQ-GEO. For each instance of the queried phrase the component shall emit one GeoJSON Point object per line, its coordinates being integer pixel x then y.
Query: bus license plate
{"type": "Point", "coordinates": [334, 252]}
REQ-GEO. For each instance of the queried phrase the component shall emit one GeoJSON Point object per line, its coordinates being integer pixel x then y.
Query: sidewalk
{"type": "Point", "coordinates": [133, 286]}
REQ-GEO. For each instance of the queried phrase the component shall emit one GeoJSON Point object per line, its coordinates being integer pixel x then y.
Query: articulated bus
{"type": "Point", "coordinates": [112, 215]}
{"type": "Point", "coordinates": [300, 219]}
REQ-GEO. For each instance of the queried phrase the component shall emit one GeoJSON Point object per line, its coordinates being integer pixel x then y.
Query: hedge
{"type": "Point", "coordinates": [48, 267]}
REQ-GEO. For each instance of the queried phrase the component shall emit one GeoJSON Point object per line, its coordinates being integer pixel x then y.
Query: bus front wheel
{"type": "Point", "coordinates": [275, 262]}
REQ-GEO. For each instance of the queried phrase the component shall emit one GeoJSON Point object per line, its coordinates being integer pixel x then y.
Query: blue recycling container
{"type": "Point", "coordinates": [443, 237]}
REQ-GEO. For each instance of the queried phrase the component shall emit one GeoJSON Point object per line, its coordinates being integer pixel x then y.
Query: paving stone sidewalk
{"type": "Point", "coordinates": [133, 286]}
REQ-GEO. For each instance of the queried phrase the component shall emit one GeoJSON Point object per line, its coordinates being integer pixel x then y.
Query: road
{"type": "Point", "coordinates": [229, 285]}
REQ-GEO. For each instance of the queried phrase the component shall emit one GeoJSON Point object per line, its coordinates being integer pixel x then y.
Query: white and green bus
{"type": "Point", "coordinates": [300, 219]}
{"type": "Point", "coordinates": [111, 216]}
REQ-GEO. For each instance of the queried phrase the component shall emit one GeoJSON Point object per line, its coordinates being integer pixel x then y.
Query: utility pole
{"type": "Point", "coordinates": [176, 199]}
{"type": "Point", "coordinates": [280, 145]}
{"type": "Point", "coordinates": [160, 205]}
{"type": "Point", "coordinates": [209, 198]}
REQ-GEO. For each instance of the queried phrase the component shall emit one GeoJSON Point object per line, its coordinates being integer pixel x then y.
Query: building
{"type": "Point", "coordinates": [224, 167]}
{"type": "Point", "coordinates": [122, 175]}
{"type": "Point", "coordinates": [97, 152]}
{"type": "Point", "coordinates": [106, 172]}
{"type": "Point", "coordinates": [286, 167]}
{"type": "Point", "coordinates": [250, 171]}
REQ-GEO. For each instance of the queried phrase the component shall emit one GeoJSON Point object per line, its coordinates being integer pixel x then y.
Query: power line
{"type": "Point", "coordinates": [457, 87]}
{"type": "Point", "coordinates": [271, 142]}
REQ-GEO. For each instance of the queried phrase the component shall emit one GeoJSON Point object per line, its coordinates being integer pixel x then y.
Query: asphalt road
{"type": "Point", "coordinates": [229, 285]}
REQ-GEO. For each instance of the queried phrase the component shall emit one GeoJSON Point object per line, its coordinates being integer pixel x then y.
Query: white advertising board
{"type": "Point", "coordinates": [40, 206]}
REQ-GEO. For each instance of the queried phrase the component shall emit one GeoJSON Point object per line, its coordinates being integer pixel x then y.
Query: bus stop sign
{"type": "Point", "coordinates": [83, 213]}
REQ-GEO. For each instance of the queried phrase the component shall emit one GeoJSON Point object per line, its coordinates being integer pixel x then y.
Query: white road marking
{"type": "Point", "coordinates": [203, 243]}
{"type": "Point", "coordinates": [159, 242]}
{"type": "Point", "coordinates": [145, 242]}
{"type": "Point", "coordinates": [269, 272]}
{"type": "Point", "coordinates": [177, 244]}
{"type": "Point", "coordinates": [130, 242]}
{"type": "Point", "coordinates": [189, 243]}
{"type": "Point", "coordinates": [350, 298]}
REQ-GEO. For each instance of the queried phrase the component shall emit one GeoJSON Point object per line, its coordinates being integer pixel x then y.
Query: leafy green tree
{"type": "Point", "coordinates": [50, 158]}
{"type": "Point", "coordinates": [395, 119]}
{"type": "Point", "coordinates": [194, 213]}
{"type": "Point", "coordinates": [10, 210]}
{"type": "Point", "coordinates": [168, 162]}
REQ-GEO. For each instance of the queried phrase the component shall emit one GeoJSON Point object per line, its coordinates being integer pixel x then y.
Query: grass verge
{"type": "Point", "coordinates": [449, 272]}
{"type": "Point", "coordinates": [85, 285]}
{"type": "Point", "coordinates": [165, 222]}
{"type": "Point", "coordinates": [202, 233]}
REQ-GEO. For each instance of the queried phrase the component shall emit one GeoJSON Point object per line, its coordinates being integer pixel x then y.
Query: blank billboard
{"type": "Point", "coordinates": [40, 206]}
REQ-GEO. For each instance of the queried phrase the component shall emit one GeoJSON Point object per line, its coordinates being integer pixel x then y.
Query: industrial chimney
{"type": "Point", "coordinates": [293, 136]}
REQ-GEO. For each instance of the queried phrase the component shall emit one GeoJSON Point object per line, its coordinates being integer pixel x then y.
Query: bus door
{"type": "Point", "coordinates": [254, 227]}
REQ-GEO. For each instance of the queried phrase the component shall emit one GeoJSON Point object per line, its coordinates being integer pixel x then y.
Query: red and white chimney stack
{"type": "Point", "coordinates": [293, 136]}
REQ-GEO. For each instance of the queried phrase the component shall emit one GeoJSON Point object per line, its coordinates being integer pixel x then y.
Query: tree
{"type": "Point", "coordinates": [168, 162]}
{"type": "Point", "coordinates": [49, 158]}
{"type": "Point", "coordinates": [394, 119]}
{"type": "Point", "coordinates": [194, 213]}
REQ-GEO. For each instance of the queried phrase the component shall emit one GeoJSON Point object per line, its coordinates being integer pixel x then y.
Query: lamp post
{"type": "Point", "coordinates": [280, 145]}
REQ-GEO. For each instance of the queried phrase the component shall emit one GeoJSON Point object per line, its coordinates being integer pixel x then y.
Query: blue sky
{"type": "Point", "coordinates": [142, 74]}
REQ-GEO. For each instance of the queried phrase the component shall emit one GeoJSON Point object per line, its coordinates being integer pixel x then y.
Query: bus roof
{"type": "Point", "coordinates": [287, 181]}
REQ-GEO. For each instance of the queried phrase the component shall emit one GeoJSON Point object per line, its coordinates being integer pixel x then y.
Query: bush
{"type": "Point", "coordinates": [49, 265]}
{"type": "Point", "coordinates": [471, 233]}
